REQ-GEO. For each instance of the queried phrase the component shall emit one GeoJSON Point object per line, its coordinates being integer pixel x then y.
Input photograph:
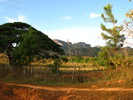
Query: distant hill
{"type": "Point", "coordinates": [127, 50]}
{"type": "Point", "coordinates": [78, 49]}
{"type": "Point", "coordinates": [83, 49]}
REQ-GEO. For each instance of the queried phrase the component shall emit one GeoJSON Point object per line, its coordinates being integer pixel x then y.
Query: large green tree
{"type": "Point", "coordinates": [21, 42]}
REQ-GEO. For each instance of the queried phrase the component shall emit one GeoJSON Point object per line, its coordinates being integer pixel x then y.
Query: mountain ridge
{"type": "Point", "coordinates": [78, 48]}
{"type": "Point", "coordinates": [61, 42]}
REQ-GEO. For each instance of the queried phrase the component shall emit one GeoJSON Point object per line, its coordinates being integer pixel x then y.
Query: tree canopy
{"type": "Point", "coordinates": [114, 38]}
{"type": "Point", "coordinates": [21, 41]}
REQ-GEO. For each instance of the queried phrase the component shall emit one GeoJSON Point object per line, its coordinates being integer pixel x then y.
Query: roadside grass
{"type": "Point", "coordinates": [86, 75]}
{"type": "Point", "coordinates": [93, 79]}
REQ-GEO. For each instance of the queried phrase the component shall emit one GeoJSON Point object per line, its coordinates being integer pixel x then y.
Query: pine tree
{"type": "Point", "coordinates": [114, 39]}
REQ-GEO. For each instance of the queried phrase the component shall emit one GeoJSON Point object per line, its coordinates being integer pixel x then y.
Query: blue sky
{"type": "Point", "coordinates": [75, 20]}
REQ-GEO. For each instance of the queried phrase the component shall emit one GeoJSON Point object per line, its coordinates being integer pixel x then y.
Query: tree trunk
{"type": "Point", "coordinates": [10, 59]}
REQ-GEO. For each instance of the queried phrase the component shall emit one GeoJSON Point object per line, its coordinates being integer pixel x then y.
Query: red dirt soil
{"type": "Point", "coordinates": [12, 91]}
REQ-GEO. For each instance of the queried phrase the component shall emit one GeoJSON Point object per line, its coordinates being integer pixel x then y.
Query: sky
{"type": "Point", "coordinates": [73, 20]}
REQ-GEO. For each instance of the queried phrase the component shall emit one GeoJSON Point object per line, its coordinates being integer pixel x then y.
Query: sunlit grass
{"type": "Point", "coordinates": [4, 59]}
{"type": "Point", "coordinates": [44, 65]}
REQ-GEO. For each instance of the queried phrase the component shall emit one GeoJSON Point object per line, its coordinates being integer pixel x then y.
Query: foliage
{"type": "Point", "coordinates": [10, 36]}
{"type": "Point", "coordinates": [55, 66]}
{"type": "Point", "coordinates": [21, 42]}
{"type": "Point", "coordinates": [80, 59]}
{"type": "Point", "coordinates": [103, 58]}
{"type": "Point", "coordinates": [25, 52]}
{"type": "Point", "coordinates": [64, 59]}
{"type": "Point", "coordinates": [113, 36]}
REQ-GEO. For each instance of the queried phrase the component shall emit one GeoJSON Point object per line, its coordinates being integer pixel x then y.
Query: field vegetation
{"type": "Point", "coordinates": [50, 72]}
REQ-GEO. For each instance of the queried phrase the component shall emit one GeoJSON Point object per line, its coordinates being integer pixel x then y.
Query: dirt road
{"type": "Point", "coordinates": [73, 89]}
{"type": "Point", "coordinates": [13, 91]}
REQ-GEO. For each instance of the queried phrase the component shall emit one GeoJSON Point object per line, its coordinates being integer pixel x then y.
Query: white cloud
{"type": "Point", "coordinates": [9, 19]}
{"type": "Point", "coordinates": [128, 41]}
{"type": "Point", "coordinates": [94, 15]}
{"type": "Point", "coordinates": [88, 35]}
{"type": "Point", "coordinates": [66, 18]}
{"type": "Point", "coordinates": [19, 19]}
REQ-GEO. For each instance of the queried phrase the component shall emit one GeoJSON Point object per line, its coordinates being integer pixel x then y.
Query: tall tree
{"type": "Point", "coordinates": [114, 38]}
{"type": "Point", "coordinates": [112, 35]}
{"type": "Point", "coordinates": [19, 40]}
